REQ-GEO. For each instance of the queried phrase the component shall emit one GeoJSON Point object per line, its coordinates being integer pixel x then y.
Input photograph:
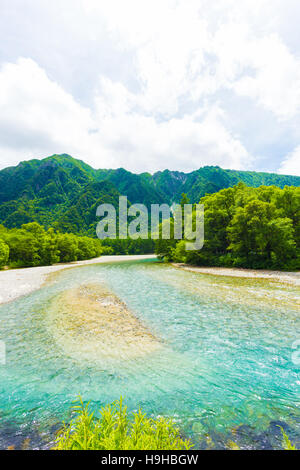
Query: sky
{"type": "Point", "coordinates": [149, 85]}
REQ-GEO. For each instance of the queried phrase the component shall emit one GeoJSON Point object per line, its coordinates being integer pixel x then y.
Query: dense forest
{"type": "Point", "coordinates": [32, 245]}
{"type": "Point", "coordinates": [63, 193]}
{"type": "Point", "coordinates": [245, 227]}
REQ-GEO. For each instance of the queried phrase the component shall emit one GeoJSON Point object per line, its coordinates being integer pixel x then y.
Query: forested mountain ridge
{"type": "Point", "coordinates": [210, 179]}
{"type": "Point", "coordinates": [63, 192]}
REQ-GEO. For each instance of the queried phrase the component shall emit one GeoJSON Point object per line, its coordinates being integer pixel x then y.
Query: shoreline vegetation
{"type": "Point", "coordinates": [116, 429]}
{"type": "Point", "coordinates": [245, 227]}
{"type": "Point", "coordinates": [33, 245]}
{"type": "Point", "coordinates": [254, 228]}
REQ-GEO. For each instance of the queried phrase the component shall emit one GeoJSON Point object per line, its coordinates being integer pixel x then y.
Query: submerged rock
{"type": "Point", "coordinates": [91, 323]}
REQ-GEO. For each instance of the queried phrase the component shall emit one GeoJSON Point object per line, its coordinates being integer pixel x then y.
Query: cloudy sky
{"type": "Point", "coordinates": [148, 85]}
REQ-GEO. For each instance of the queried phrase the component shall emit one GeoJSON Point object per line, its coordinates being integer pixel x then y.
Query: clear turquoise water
{"type": "Point", "coordinates": [225, 371]}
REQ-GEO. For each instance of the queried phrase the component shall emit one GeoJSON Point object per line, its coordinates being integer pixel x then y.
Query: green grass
{"type": "Point", "coordinates": [116, 429]}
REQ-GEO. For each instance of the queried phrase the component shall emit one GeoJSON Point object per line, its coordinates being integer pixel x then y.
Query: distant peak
{"type": "Point", "coordinates": [61, 155]}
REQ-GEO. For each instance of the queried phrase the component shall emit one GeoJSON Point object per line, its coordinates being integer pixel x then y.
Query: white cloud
{"type": "Point", "coordinates": [192, 49]}
{"type": "Point", "coordinates": [39, 117]}
{"type": "Point", "coordinates": [161, 92]}
{"type": "Point", "coordinates": [275, 83]}
{"type": "Point", "coordinates": [291, 163]}
{"type": "Point", "coordinates": [36, 113]}
{"type": "Point", "coordinates": [178, 143]}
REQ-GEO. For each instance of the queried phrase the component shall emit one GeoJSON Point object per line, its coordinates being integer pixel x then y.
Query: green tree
{"type": "Point", "coordinates": [164, 248]}
{"type": "Point", "coordinates": [247, 227]}
{"type": "Point", "coordinates": [50, 253]}
{"type": "Point", "coordinates": [68, 247]}
{"type": "Point", "coordinates": [4, 253]}
{"type": "Point", "coordinates": [23, 248]}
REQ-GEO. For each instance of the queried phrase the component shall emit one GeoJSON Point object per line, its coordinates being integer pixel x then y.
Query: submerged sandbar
{"type": "Point", "coordinates": [91, 323]}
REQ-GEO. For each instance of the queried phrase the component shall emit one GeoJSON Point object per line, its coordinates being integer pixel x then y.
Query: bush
{"type": "Point", "coordinates": [32, 245]}
{"type": "Point", "coordinates": [68, 247]}
{"type": "Point", "coordinates": [4, 253]}
{"type": "Point", "coordinates": [179, 254]}
{"type": "Point", "coordinates": [88, 248]}
{"type": "Point", "coordinates": [116, 430]}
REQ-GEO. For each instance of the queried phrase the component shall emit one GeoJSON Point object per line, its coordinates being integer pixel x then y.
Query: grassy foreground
{"type": "Point", "coordinates": [117, 430]}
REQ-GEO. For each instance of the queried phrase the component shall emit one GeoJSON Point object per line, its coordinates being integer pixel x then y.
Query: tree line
{"type": "Point", "coordinates": [245, 227]}
{"type": "Point", "coordinates": [32, 245]}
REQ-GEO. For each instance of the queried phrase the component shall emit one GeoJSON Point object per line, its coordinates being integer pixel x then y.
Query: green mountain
{"type": "Point", "coordinates": [64, 192]}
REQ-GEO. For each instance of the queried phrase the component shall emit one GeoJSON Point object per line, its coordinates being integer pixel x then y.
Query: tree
{"type": "Point", "coordinates": [50, 253]}
{"type": "Point", "coordinates": [68, 247]}
{"type": "Point", "coordinates": [282, 243]}
{"type": "Point", "coordinates": [248, 227]}
{"type": "Point", "coordinates": [4, 253]}
{"type": "Point", "coordinates": [164, 247]}
{"type": "Point", "coordinates": [23, 248]}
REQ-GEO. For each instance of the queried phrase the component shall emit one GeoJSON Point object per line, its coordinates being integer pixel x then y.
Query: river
{"type": "Point", "coordinates": [214, 353]}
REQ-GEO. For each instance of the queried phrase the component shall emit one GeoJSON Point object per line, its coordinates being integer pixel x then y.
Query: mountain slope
{"type": "Point", "coordinates": [210, 179]}
{"type": "Point", "coordinates": [63, 192]}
